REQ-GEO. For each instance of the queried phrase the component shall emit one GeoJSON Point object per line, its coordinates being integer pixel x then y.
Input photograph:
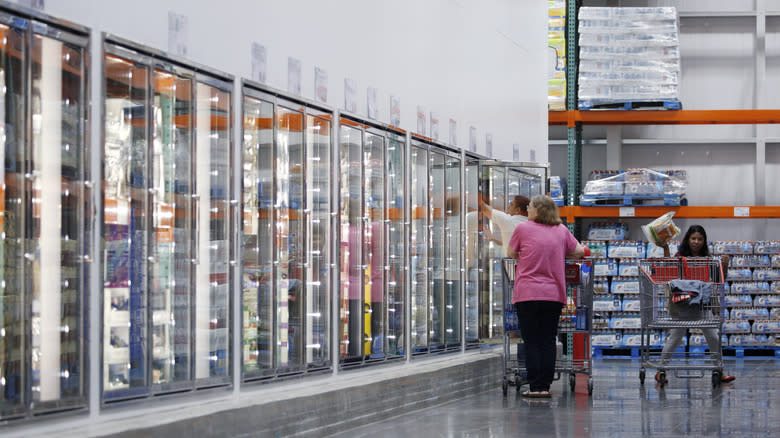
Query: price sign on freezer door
{"type": "Point", "coordinates": [627, 212]}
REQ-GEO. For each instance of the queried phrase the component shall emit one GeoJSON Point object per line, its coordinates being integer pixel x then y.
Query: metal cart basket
{"type": "Point", "coordinates": [666, 304]}
{"type": "Point", "coordinates": [576, 321]}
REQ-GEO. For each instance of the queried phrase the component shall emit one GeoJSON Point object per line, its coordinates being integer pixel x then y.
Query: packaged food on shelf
{"type": "Point", "coordinates": [631, 305]}
{"type": "Point", "coordinates": [749, 313]}
{"type": "Point", "coordinates": [737, 300]}
{"type": "Point", "coordinates": [606, 304]}
{"type": "Point", "coordinates": [767, 247]}
{"type": "Point", "coordinates": [749, 261]}
{"type": "Point", "coordinates": [557, 190]}
{"type": "Point", "coordinates": [556, 42]}
{"type": "Point", "coordinates": [602, 267]}
{"type": "Point", "coordinates": [768, 274]}
{"type": "Point", "coordinates": [736, 274]}
{"type": "Point", "coordinates": [626, 249]}
{"type": "Point", "coordinates": [732, 247]}
{"type": "Point", "coordinates": [607, 231]}
{"type": "Point", "coordinates": [600, 285]}
{"type": "Point", "coordinates": [606, 339]}
{"type": "Point", "coordinates": [748, 340]}
{"type": "Point", "coordinates": [774, 313]}
{"type": "Point", "coordinates": [736, 326]}
{"type": "Point", "coordinates": [775, 261]}
{"type": "Point", "coordinates": [766, 326]}
{"type": "Point", "coordinates": [772, 300]}
{"type": "Point", "coordinates": [625, 321]}
{"type": "Point", "coordinates": [750, 287]}
{"type": "Point", "coordinates": [625, 285]}
{"type": "Point", "coordinates": [598, 248]}
{"type": "Point", "coordinates": [628, 267]}
{"type": "Point", "coordinates": [632, 338]}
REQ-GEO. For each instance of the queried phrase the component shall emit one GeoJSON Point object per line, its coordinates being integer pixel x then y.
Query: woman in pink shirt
{"type": "Point", "coordinates": [541, 245]}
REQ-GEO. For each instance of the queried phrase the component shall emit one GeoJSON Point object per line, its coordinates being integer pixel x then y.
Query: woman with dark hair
{"type": "Point", "coordinates": [541, 246]}
{"type": "Point", "coordinates": [694, 244]}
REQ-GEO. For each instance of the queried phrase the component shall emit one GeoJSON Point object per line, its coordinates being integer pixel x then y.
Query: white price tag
{"type": "Point", "coordinates": [741, 211]}
{"type": "Point", "coordinates": [627, 212]}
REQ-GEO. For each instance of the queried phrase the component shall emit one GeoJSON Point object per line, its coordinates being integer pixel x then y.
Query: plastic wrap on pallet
{"type": "Point", "coordinates": [628, 267]}
{"type": "Point", "coordinates": [638, 182]}
{"type": "Point", "coordinates": [607, 231]}
{"type": "Point", "coordinates": [750, 261]}
{"type": "Point", "coordinates": [626, 249]}
{"type": "Point", "coordinates": [732, 247]}
{"type": "Point", "coordinates": [598, 248]}
{"type": "Point", "coordinates": [750, 287]}
{"type": "Point", "coordinates": [767, 247]}
{"type": "Point", "coordinates": [766, 326]}
{"type": "Point", "coordinates": [733, 300]}
{"type": "Point", "coordinates": [766, 274]}
{"type": "Point", "coordinates": [628, 54]}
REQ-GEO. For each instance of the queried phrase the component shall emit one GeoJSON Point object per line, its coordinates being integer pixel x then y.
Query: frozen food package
{"type": "Point", "coordinates": [661, 230]}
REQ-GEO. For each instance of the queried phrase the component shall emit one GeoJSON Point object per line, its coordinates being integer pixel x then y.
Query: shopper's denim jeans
{"type": "Point", "coordinates": [539, 325]}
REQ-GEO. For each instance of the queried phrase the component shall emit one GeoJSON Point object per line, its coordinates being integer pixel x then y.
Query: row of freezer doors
{"type": "Point", "coordinates": [344, 239]}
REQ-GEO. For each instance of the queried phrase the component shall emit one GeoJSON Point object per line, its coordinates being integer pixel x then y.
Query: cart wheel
{"type": "Point", "coordinates": [505, 385]}
{"type": "Point", "coordinates": [715, 379]}
{"type": "Point", "coordinates": [662, 378]}
{"type": "Point", "coordinates": [572, 381]}
{"type": "Point", "coordinates": [642, 376]}
{"type": "Point", "coordinates": [590, 385]}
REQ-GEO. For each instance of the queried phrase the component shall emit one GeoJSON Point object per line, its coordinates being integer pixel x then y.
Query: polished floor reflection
{"type": "Point", "coordinates": [619, 407]}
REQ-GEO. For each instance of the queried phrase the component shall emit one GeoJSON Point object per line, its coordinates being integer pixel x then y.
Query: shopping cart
{"type": "Point", "coordinates": [575, 325]}
{"type": "Point", "coordinates": [664, 306]}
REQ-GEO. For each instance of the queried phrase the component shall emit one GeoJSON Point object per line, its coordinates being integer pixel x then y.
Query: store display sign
{"type": "Point", "coordinates": [395, 110]}
{"type": "Point", "coordinates": [371, 103]}
{"type": "Point", "coordinates": [259, 62]}
{"type": "Point", "coordinates": [178, 33]}
{"type": "Point", "coordinates": [350, 95]}
{"type": "Point", "coordinates": [320, 85]}
{"type": "Point", "coordinates": [34, 4]}
{"type": "Point", "coordinates": [421, 122]}
{"type": "Point", "coordinates": [294, 75]}
{"type": "Point", "coordinates": [434, 126]}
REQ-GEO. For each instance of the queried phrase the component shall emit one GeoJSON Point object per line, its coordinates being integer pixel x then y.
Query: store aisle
{"type": "Point", "coordinates": [620, 407]}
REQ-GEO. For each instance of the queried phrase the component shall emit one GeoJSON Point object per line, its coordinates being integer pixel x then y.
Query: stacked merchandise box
{"type": "Point", "coordinates": [635, 186]}
{"type": "Point", "coordinates": [556, 43]}
{"type": "Point", "coordinates": [628, 56]}
{"type": "Point", "coordinates": [752, 295]}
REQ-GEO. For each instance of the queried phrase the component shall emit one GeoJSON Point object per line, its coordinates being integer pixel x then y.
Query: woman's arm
{"type": "Point", "coordinates": [578, 253]}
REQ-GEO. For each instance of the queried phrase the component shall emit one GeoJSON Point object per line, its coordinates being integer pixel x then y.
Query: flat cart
{"type": "Point", "coordinates": [575, 327]}
{"type": "Point", "coordinates": [664, 306]}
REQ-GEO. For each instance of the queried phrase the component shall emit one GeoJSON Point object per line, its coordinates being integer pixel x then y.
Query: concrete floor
{"type": "Point", "coordinates": [619, 407]}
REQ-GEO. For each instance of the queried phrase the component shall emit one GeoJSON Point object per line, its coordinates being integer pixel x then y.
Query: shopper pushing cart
{"type": "Point", "coordinates": [682, 294]}
{"type": "Point", "coordinates": [539, 291]}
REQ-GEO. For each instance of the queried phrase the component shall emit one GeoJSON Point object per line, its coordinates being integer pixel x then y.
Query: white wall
{"type": "Point", "coordinates": [480, 62]}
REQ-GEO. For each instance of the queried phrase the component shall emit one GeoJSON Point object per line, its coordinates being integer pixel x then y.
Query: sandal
{"type": "Point", "coordinates": [725, 378]}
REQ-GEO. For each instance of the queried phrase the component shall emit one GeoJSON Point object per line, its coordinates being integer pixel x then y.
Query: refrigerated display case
{"type": "Point", "coordinates": [287, 231]}
{"type": "Point", "coordinates": [499, 183]}
{"type": "Point", "coordinates": [166, 198]}
{"type": "Point", "coordinates": [45, 215]}
{"type": "Point", "coordinates": [372, 212]}
{"type": "Point", "coordinates": [436, 247]}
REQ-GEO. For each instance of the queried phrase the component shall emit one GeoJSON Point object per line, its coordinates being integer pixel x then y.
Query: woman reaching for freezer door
{"type": "Point", "coordinates": [694, 244]}
{"type": "Point", "coordinates": [541, 246]}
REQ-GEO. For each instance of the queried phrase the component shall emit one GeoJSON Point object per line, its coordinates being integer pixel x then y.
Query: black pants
{"type": "Point", "coordinates": [538, 322]}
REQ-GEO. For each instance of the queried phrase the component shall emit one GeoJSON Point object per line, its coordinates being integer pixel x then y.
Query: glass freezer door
{"type": "Point", "coordinates": [44, 227]}
{"type": "Point", "coordinates": [125, 228]}
{"type": "Point", "coordinates": [499, 183]}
